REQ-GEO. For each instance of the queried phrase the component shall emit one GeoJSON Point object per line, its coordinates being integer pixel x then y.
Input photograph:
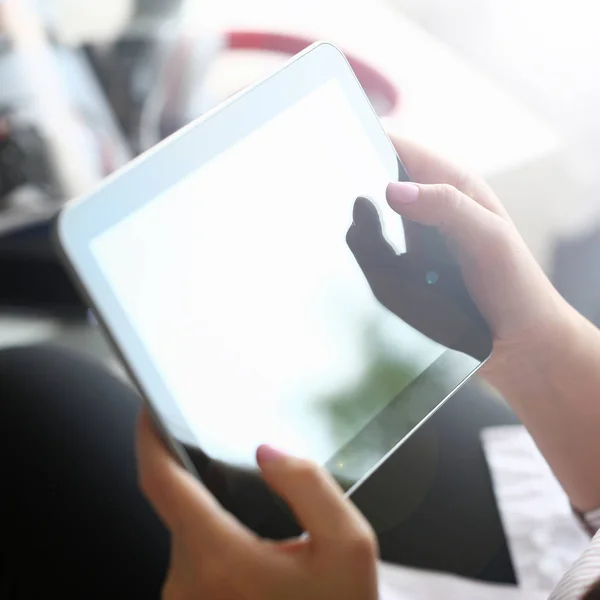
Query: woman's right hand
{"type": "Point", "coordinates": [510, 289]}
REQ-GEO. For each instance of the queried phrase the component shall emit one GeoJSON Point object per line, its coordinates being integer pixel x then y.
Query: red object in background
{"type": "Point", "coordinates": [381, 91]}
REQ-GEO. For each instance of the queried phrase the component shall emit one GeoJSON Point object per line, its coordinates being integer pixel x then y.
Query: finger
{"type": "Point", "coordinates": [181, 501]}
{"type": "Point", "coordinates": [365, 237]}
{"type": "Point", "coordinates": [427, 167]}
{"type": "Point", "coordinates": [366, 215]}
{"type": "Point", "coordinates": [316, 500]}
{"type": "Point", "coordinates": [176, 584]}
{"type": "Point", "coordinates": [454, 214]}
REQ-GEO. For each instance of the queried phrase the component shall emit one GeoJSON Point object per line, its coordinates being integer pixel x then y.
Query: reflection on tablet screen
{"type": "Point", "coordinates": [251, 291]}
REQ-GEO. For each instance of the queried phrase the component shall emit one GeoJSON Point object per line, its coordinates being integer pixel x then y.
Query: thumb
{"type": "Point", "coordinates": [315, 498]}
{"type": "Point", "coordinates": [454, 214]}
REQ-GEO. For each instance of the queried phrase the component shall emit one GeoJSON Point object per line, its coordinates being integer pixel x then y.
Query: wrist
{"type": "Point", "coordinates": [542, 353]}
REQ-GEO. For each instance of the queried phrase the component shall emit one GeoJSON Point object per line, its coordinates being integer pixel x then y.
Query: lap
{"type": "Point", "coordinates": [75, 522]}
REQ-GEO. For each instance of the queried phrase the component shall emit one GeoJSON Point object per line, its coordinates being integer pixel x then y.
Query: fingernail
{"type": "Point", "coordinates": [402, 192]}
{"type": "Point", "coordinates": [268, 454]}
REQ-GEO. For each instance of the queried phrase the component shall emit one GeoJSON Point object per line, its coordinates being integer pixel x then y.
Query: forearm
{"type": "Point", "coordinates": [555, 391]}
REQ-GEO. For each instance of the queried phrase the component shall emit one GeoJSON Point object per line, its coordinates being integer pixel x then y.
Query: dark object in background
{"type": "Point", "coordinates": [122, 97]}
{"type": "Point", "coordinates": [34, 180]}
{"type": "Point", "coordinates": [33, 279]}
{"type": "Point", "coordinates": [432, 503]}
{"type": "Point", "coordinates": [58, 138]}
{"type": "Point", "coordinates": [126, 72]}
{"type": "Point", "coordinates": [24, 160]}
{"type": "Point", "coordinates": [576, 273]}
{"type": "Point", "coordinates": [129, 68]}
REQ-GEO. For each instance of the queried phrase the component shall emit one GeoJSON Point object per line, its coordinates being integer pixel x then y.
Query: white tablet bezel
{"type": "Point", "coordinates": [123, 193]}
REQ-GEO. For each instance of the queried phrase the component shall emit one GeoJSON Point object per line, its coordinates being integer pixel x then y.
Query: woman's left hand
{"type": "Point", "coordinates": [213, 556]}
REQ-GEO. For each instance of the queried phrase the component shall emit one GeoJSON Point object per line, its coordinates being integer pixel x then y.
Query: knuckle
{"type": "Point", "coordinates": [363, 545]}
{"type": "Point", "coordinates": [476, 188]}
{"type": "Point", "coordinates": [450, 202]}
{"type": "Point", "coordinates": [307, 471]}
{"type": "Point", "coordinates": [469, 184]}
{"type": "Point", "coordinates": [450, 196]}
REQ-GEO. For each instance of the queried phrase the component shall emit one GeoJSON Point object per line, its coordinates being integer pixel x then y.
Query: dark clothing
{"type": "Point", "coordinates": [75, 526]}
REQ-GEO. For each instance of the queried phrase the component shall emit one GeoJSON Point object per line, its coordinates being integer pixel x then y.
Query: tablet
{"type": "Point", "coordinates": [259, 289]}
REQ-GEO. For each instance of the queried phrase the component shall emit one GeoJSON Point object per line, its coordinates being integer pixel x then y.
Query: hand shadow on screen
{"type": "Point", "coordinates": [443, 311]}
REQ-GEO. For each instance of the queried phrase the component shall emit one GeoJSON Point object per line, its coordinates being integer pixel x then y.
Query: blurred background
{"type": "Point", "coordinates": [510, 89]}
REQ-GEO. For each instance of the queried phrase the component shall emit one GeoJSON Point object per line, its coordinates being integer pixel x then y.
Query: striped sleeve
{"type": "Point", "coordinates": [590, 521]}
{"type": "Point", "coordinates": [592, 518]}
{"type": "Point", "coordinates": [586, 570]}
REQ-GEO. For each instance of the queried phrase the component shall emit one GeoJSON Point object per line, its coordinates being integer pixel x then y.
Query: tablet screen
{"type": "Point", "coordinates": [240, 283]}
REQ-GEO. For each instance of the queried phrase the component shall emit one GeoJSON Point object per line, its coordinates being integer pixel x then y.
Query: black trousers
{"type": "Point", "coordinates": [74, 525]}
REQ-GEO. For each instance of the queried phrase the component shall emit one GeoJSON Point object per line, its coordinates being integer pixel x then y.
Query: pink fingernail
{"type": "Point", "coordinates": [402, 192]}
{"type": "Point", "coordinates": [268, 454]}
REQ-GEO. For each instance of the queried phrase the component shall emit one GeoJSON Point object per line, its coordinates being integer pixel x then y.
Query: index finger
{"type": "Point", "coordinates": [315, 499]}
{"type": "Point", "coordinates": [182, 502]}
{"type": "Point", "coordinates": [425, 166]}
